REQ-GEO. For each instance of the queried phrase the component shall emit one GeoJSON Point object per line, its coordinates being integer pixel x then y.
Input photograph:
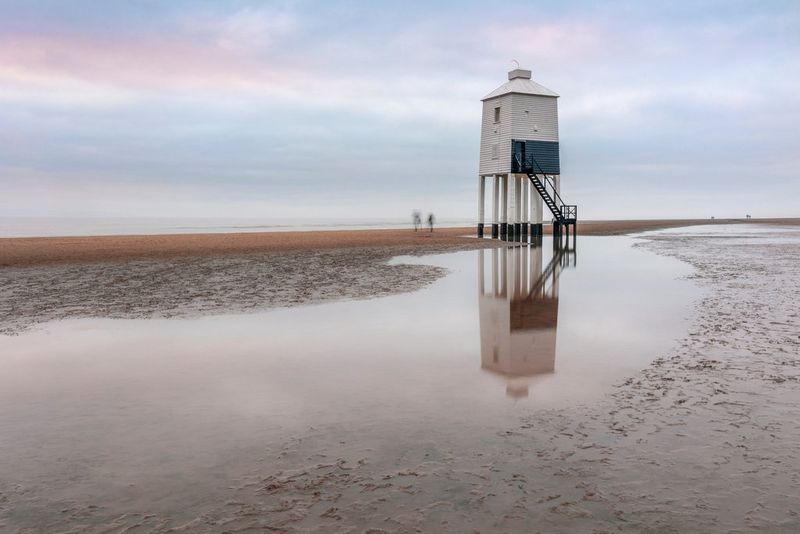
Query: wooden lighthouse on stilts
{"type": "Point", "coordinates": [520, 156]}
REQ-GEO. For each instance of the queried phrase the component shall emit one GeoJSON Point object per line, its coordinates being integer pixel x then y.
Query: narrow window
{"type": "Point", "coordinates": [494, 151]}
{"type": "Point", "coordinates": [496, 114]}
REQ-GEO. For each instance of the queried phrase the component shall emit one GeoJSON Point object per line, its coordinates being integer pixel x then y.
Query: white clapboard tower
{"type": "Point", "coordinates": [520, 155]}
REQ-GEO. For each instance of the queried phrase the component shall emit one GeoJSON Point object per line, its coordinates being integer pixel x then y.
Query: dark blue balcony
{"type": "Point", "coordinates": [535, 157]}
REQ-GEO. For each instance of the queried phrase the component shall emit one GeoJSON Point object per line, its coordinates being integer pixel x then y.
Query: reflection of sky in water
{"type": "Point", "coordinates": [617, 310]}
{"type": "Point", "coordinates": [181, 394]}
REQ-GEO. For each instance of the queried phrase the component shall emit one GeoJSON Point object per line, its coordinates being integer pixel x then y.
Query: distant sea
{"type": "Point", "coordinates": [86, 226]}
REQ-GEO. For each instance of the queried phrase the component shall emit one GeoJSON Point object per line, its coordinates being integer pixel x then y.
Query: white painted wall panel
{"type": "Point", "coordinates": [515, 123]}
{"type": "Point", "coordinates": [496, 134]}
{"type": "Point", "coordinates": [540, 123]}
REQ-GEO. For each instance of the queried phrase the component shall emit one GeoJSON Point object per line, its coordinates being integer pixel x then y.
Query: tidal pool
{"type": "Point", "coordinates": [166, 416]}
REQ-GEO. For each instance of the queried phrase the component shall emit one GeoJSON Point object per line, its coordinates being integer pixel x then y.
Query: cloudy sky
{"type": "Point", "coordinates": [364, 108]}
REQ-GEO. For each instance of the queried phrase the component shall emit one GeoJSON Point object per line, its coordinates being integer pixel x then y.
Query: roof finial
{"type": "Point", "coordinates": [518, 72]}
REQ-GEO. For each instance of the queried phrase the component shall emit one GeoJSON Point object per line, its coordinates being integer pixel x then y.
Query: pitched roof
{"type": "Point", "coordinates": [519, 81]}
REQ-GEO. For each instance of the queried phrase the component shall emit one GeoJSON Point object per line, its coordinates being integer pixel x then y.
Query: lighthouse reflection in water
{"type": "Point", "coordinates": [518, 306]}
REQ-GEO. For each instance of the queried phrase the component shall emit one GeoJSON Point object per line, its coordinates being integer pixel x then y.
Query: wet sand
{"type": "Point", "coordinates": [703, 440]}
{"type": "Point", "coordinates": [50, 250]}
{"type": "Point", "coordinates": [191, 286]}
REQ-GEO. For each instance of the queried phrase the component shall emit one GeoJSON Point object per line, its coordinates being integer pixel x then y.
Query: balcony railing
{"type": "Point", "coordinates": [569, 212]}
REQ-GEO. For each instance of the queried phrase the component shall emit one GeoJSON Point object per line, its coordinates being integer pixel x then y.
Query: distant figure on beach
{"type": "Point", "coordinates": [431, 220]}
{"type": "Point", "coordinates": [748, 216]}
{"type": "Point", "coordinates": [417, 218]}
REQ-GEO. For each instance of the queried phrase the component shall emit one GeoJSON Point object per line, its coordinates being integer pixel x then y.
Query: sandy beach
{"type": "Point", "coordinates": [187, 286]}
{"type": "Point", "coordinates": [50, 250]}
{"type": "Point", "coordinates": [128, 277]}
{"type": "Point", "coordinates": [701, 439]}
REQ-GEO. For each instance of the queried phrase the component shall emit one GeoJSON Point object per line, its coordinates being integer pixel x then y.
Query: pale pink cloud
{"type": "Point", "coordinates": [133, 62]}
{"type": "Point", "coordinates": [70, 70]}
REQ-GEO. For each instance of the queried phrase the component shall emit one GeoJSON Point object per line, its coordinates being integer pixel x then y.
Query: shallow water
{"type": "Point", "coordinates": [165, 414]}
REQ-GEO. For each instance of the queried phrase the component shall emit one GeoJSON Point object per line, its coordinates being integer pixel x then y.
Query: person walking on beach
{"type": "Point", "coordinates": [431, 220]}
{"type": "Point", "coordinates": [417, 220]}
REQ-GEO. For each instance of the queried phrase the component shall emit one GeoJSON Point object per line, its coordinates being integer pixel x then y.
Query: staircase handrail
{"type": "Point", "coordinates": [559, 201]}
{"type": "Point", "coordinates": [563, 210]}
{"type": "Point", "coordinates": [557, 198]}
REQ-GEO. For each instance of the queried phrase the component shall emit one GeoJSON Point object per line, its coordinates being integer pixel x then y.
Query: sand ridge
{"type": "Point", "coordinates": [196, 286]}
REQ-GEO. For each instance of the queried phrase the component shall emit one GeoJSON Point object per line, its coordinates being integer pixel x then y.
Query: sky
{"type": "Point", "coordinates": [370, 109]}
